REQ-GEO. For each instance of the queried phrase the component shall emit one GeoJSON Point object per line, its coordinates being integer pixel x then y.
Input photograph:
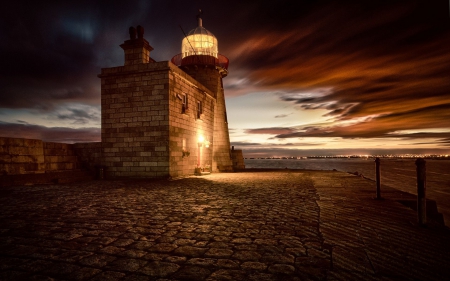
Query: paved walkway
{"type": "Point", "coordinates": [241, 226]}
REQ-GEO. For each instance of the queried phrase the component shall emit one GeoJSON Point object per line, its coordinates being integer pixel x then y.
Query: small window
{"type": "Point", "coordinates": [199, 109]}
{"type": "Point", "coordinates": [185, 105]}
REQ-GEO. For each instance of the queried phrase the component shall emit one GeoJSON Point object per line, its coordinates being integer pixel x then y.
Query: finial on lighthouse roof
{"type": "Point", "coordinates": [199, 17]}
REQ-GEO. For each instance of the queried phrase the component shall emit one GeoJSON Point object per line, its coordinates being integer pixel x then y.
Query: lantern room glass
{"type": "Point", "coordinates": [199, 41]}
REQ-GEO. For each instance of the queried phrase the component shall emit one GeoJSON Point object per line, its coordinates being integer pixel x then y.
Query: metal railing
{"type": "Point", "coordinates": [220, 61]}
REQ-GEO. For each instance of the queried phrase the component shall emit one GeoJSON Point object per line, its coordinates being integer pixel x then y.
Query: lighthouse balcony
{"type": "Point", "coordinates": [221, 61]}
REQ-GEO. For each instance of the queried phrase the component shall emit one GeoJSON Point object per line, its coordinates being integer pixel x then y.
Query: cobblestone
{"type": "Point", "coordinates": [301, 225]}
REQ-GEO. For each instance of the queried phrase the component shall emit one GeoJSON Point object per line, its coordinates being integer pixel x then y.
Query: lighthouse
{"type": "Point", "coordinates": [165, 119]}
{"type": "Point", "coordinates": [200, 59]}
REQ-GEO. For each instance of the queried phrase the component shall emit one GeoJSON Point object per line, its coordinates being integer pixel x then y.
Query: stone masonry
{"type": "Point", "coordinates": [238, 158]}
{"type": "Point", "coordinates": [30, 156]}
{"type": "Point", "coordinates": [211, 77]}
{"type": "Point", "coordinates": [158, 121]}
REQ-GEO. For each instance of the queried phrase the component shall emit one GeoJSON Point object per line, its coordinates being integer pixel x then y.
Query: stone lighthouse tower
{"type": "Point", "coordinates": [200, 59]}
{"type": "Point", "coordinates": [166, 118]}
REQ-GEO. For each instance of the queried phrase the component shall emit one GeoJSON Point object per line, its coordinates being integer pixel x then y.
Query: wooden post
{"type": "Point", "coordinates": [378, 177]}
{"type": "Point", "coordinates": [421, 191]}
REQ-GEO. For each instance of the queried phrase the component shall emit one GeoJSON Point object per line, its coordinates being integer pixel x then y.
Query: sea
{"type": "Point", "coordinates": [399, 173]}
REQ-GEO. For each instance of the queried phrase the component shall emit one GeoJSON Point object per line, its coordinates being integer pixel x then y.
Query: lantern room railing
{"type": "Point", "coordinates": [221, 61]}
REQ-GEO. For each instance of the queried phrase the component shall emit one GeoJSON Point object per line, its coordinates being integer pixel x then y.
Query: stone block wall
{"type": "Point", "coordinates": [29, 156]}
{"type": "Point", "coordinates": [208, 76]}
{"type": "Point", "coordinates": [59, 157]}
{"type": "Point", "coordinates": [135, 119]}
{"type": "Point", "coordinates": [222, 156]}
{"type": "Point", "coordinates": [89, 155]}
{"type": "Point", "coordinates": [29, 162]}
{"type": "Point", "coordinates": [238, 159]}
{"type": "Point", "coordinates": [211, 78]}
{"type": "Point", "coordinates": [186, 153]}
{"type": "Point", "coordinates": [21, 156]}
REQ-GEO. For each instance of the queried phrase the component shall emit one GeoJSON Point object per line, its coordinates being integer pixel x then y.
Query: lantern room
{"type": "Point", "coordinates": [199, 41]}
{"type": "Point", "coordinates": [200, 47]}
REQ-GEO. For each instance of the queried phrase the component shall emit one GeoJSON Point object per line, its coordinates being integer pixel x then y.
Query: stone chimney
{"type": "Point", "coordinates": [137, 50]}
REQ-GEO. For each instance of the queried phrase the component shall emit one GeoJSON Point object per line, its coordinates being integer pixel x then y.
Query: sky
{"type": "Point", "coordinates": [305, 77]}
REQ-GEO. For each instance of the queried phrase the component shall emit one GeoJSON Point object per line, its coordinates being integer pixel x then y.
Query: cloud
{"type": "Point", "coordinates": [52, 53]}
{"type": "Point", "coordinates": [385, 63]}
{"type": "Point", "coordinates": [79, 116]}
{"type": "Point", "coordinates": [56, 134]}
{"type": "Point", "coordinates": [282, 115]}
{"type": "Point", "coordinates": [372, 67]}
{"type": "Point", "coordinates": [359, 130]}
{"type": "Point", "coordinates": [271, 131]}
{"type": "Point", "coordinates": [237, 143]}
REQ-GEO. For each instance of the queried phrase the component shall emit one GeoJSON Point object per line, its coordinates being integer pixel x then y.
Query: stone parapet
{"type": "Point", "coordinates": [59, 157]}
{"type": "Point", "coordinates": [89, 155]}
{"type": "Point", "coordinates": [21, 156]}
{"type": "Point", "coordinates": [30, 161]}
{"type": "Point", "coordinates": [237, 158]}
{"type": "Point", "coordinates": [29, 156]}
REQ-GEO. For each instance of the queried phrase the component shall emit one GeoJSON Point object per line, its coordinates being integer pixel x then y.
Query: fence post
{"type": "Point", "coordinates": [421, 191]}
{"type": "Point", "coordinates": [378, 177]}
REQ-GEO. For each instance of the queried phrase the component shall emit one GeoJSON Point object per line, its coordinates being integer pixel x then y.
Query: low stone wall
{"type": "Point", "coordinates": [237, 158]}
{"type": "Point", "coordinates": [29, 156]}
{"type": "Point", "coordinates": [89, 154]}
{"type": "Point", "coordinates": [29, 161]}
{"type": "Point", "coordinates": [59, 157]}
{"type": "Point", "coordinates": [21, 156]}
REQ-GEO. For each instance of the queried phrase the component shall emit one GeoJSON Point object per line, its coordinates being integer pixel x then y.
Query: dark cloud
{"type": "Point", "coordinates": [380, 66]}
{"type": "Point", "coordinates": [445, 142]}
{"type": "Point", "coordinates": [282, 115]}
{"type": "Point", "coordinates": [79, 116]}
{"type": "Point", "coordinates": [291, 144]}
{"type": "Point", "coordinates": [358, 131]}
{"type": "Point", "coordinates": [57, 134]}
{"type": "Point", "coordinates": [387, 61]}
{"type": "Point", "coordinates": [237, 143]}
{"type": "Point", "coordinates": [269, 131]}
{"type": "Point", "coordinates": [52, 51]}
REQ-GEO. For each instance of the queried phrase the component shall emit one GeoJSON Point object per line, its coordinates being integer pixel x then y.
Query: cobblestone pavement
{"type": "Point", "coordinates": [240, 226]}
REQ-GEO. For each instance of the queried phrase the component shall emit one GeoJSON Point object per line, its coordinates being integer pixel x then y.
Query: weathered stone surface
{"type": "Point", "coordinates": [97, 260]}
{"type": "Point", "coordinates": [247, 255]}
{"type": "Point", "coordinates": [178, 230]}
{"type": "Point", "coordinates": [159, 269]}
{"type": "Point", "coordinates": [281, 268]}
{"type": "Point", "coordinates": [126, 264]}
{"type": "Point", "coordinates": [228, 275]}
{"type": "Point", "coordinates": [192, 273]}
{"type": "Point", "coordinates": [108, 275]}
{"type": "Point", "coordinates": [190, 251]}
{"type": "Point", "coordinates": [254, 266]}
{"type": "Point", "coordinates": [219, 253]}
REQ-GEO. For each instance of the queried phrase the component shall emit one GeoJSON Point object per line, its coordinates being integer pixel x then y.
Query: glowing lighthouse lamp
{"type": "Point", "coordinates": [200, 47]}
{"type": "Point", "coordinates": [199, 41]}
